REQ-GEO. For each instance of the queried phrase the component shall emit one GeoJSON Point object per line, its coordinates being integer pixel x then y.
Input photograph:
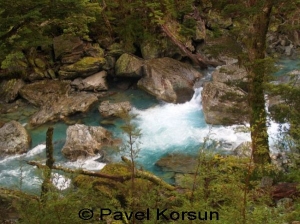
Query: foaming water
{"type": "Point", "coordinates": [87, 164]}
{"type": "Point", "coordinates": [168, 128]}
{"type": "Point", "coordinates": [60, 181]}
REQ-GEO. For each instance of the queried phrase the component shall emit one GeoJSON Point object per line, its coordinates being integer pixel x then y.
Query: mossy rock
{"type": "Point", "coordinates": [129, 66]}
{"type": "Point", "coordinates": [116, 49]}
{"type": "Point", "coordinates": [151, 50]}
{"type": "Point", "coordinates": [86, 62]}
{"type": "Point", "coordinates": [51, 73]}
{"type": "Point", "coordinates": [40, 63]}
{"type": "Point", "coordinates": [94, 50]}
{"type": "Point", "coordinates": [39, 72]}
{"type": "Point", "coordinates": [9, 89]}
{"type": "Point", "coordinates": [84, 67]}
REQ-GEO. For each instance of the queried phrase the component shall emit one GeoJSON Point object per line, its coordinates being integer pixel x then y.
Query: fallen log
{"type": "Point", "coordinates": [198, 59]}
{"type": "Point", "coordinates": [285, 190]}
{"type": "Point", "coordinates": [138, 174]}
{"type": "Point", "coordinates": [79, 171]}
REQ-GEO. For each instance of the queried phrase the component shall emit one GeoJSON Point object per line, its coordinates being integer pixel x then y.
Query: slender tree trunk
{"type": "Point", "coordinates": [49, 165]}
{"type": "Point", "coordinates": [257, 72]}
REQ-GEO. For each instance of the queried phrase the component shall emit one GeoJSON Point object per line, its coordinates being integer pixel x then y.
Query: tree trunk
{"type": "Point", "coordinates": [138, 174]}
{"type": "Point", "coordinates": [49, 164]}
{"type": "Point", "coordinates": [196, 58]}
{"type": "Point", "coordinates": [257, 71]}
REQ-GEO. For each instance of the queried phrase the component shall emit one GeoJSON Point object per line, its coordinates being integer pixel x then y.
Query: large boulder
{"type": "Point", "coordinates": [223, 104]}
{"type": "Point", "coordinates": [9, 89]}
{"type": "Point", "coordinates": [82, 68]}
{"type": "Point", "coordinates": [96, 82]}
{"type": "Point", "coordinates": [14, 139]}
{"type": "Point", "coordinates": [108, 109]}
{"type": "Point", "coordinates": [43, 92]}
{"type": "Point", "coordinates": [63, 106]}
{"type": "Point", "coordinates": [84, 141]}
{"type": "Point", "coordinates": [129, 66]}
{"type": "Point", "coordinates": [169, 79]}
{"type": "Point", "coordinates": [231, 74]}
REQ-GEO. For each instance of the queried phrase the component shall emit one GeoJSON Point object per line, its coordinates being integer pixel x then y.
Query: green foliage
{"type": "Point", "coordinates": [287, 110]}
{"type": "Point", "coordinates": [33, 23]}
{"type": "Point", "coordinates": [13, 61]}
{"type": "Point", "coordinates": [188, 28]}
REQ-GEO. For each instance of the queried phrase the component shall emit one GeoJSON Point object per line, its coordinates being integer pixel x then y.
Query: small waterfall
{"type": "Point", "coordinates": [168, 128]}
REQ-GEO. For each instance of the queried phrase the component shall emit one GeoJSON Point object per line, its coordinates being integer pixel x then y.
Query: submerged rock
{"type": "Point", "coordinates": [169, 79]}
{"type": "Point", "coordinates": [14, 139]}
{"type": "Point", "coordinates": [178, 163]}
{"type": "Point", "coordinates": [84, 141]}
{"type": "Point", "coordinates": [108, 109]}
{"type": "Point", "coordinates": [62, 107]}
{"type": "Point", "coordinates": [9, 89]}
{"type": "Point", "coordinates": [96, 82]}
{"type": "Point", "coordinates": [223, 104]}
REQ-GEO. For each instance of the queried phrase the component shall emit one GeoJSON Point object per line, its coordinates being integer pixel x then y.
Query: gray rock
{"type": "Point", "coordinates": [110, 63]}
{"type": "Point", "coordinates": [62, 107]}
{"type": "Point", "coordinates": [83, 141]}
{"type": "Point", "coordinates": [288, 50]}
{"type": "Point", "coordinates": [9, 89]}
{"type": "Point", "coordinates": [266, 182]}
{"type": "Point", "coordinates": [129, 66]}
{"type": "Point", "coordinates": [108, 109]}
{"type": "Point", "coordinates": [285, 203]}
{"type": "Point", "coordinates": [45, 91]}
{"type": "Point", "coordinates": [224, 105]}
{"type": "Point", "coordinates": [243, 150]}
{"type": "Point", "coordinates": [96, 82]}
{"type": "Point", "coordinates": [231, 74]}
{"type": "Point", "coordinates": [14, 139]}
{"type": "Point", "coordinates": [169, 79]}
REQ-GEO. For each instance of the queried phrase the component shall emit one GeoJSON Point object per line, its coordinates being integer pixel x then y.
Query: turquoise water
{"type": "Point", "coordinates": [165, 127]}
{"type": "Point", "coordinates": [285, 66]}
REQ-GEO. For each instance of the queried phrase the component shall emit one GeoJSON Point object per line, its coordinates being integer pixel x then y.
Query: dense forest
{"type": "Point", "coordinates": [63, 56]}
